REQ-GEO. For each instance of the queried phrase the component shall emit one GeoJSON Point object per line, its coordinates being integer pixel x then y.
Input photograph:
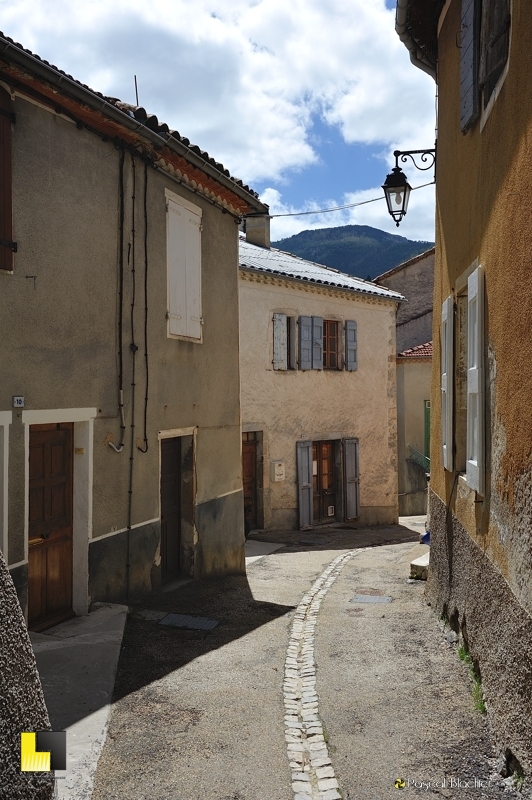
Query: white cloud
{"type": "Point", "coordinates": [242, 79]}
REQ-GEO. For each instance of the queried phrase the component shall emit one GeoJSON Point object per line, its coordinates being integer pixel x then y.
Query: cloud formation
{"type": "Point", "coordinates": [243, 79]}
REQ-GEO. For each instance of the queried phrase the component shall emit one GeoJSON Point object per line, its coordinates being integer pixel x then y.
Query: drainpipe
{"type": "Point", "coordinates": [417, 57]}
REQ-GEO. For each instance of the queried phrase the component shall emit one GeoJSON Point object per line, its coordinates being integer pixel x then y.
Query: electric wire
{"type": "Point", "coordinates": [342, 208]}
{"type": "Point", "coordinates": [145, 204]}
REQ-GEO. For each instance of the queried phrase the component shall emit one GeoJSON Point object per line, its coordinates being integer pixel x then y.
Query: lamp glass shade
{"type": "Point", "coordinates": [397, 192]}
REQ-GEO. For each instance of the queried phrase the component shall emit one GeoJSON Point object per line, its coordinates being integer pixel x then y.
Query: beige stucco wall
{"type": "Point", "coordinates": [59, 330]}
{"type": "Point", "coordinates": [483, 187]}
{"type": "Point", "coordinates": [293, 405]}
{"type": "Point", "coordinates": [413, 388]}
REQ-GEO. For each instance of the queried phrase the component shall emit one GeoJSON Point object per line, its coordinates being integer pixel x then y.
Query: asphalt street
{"type": "Point", "coordinates": [383, 697]}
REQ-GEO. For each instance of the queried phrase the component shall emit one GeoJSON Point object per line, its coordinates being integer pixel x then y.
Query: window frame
{"type": "Point", "coordinates": [329, 353]}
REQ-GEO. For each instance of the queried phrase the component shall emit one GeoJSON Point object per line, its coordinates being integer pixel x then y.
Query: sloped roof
{"type": "Point", "coordinates": [129, 116]}
{"type": "Point", "coordinates": [419, 351]}
{"type": "Point", "coordinates": [277, 262]}
{"type": "Point", "coordinates": [405, 264]}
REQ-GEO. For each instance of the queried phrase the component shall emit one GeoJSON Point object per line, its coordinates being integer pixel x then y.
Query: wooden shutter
{"type": "Point", "coordinates": [317, 343]}
{"type": "Point", "coordinates": [469, 65]}
{"type": "Point", "coordinates": [6, 218]}
{"type": "Point", "coordinates": [351, 478]}
{"type": "Point", "coordinates": [494, 45]}
{"type": "Point", "coordinates": [351, 362]}
{"type": "Point", "coordinates": [475, 381]}
{"type": "Point", "coordinates": [447, 378]}
{"type": "Point", "coordinates": [280, 342]}
{"type": "Point", "coordinates": [305, 342]}
{"type": "Point", "coordinates": [304, 482]}
{"type": "Point", "coordinates": [184, 270]}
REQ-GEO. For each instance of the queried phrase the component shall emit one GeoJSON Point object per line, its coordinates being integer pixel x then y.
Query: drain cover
{"type": "Point", "coordinates": [184, 621]}
{"type": "Point", "coordinates": [370, 598]}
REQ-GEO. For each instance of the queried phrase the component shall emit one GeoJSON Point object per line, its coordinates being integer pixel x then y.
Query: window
{"type": "Point", "coordinates": [484, 48]}
{"type": "Point", "coordinates": [183, 237]}
{"type": "Point", "coordinates": [463, 386]}
{"type": "Point", "coordinates": [330, 344]}
{"type": "Point", "coordinates": [320, 345]}
{"type": "Point", "coordinates": [7, 246]}
{"type": "Point", "coordinates": [284, 342]}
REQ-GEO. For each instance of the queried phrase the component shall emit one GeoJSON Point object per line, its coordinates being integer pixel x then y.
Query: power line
{"type": "Point", "coordinates": [342, 208]}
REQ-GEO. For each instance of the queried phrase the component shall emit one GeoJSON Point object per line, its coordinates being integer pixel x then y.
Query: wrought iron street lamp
{"type": "Point", "coordinates": [396, 187]}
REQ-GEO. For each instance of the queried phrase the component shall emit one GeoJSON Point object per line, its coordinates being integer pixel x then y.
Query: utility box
{"type": "Point", "coordinates": [277, 471]}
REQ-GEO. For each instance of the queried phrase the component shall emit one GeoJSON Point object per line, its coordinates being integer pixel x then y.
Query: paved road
{"type": "Point", "coordinates": [298, 692]}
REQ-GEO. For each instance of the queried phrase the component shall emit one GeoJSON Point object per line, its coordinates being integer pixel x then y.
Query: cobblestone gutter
{"type": "Point", "coordinates": [312, 772]}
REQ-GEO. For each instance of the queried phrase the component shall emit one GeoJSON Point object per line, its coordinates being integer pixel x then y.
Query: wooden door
{"type": "Point", "coordinates": [170, 509]}
{"type": "Point", "coordinates": [323, 482]}
{"type": "Point", "coordinates": [249, 479]}
{"type": "Point", "coordinates": [50, 525]}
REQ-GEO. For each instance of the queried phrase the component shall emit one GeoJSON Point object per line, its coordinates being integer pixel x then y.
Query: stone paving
{"type": "Point", "coordinates": [312, 772]}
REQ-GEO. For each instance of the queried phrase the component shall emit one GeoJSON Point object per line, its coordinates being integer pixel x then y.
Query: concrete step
{"type": "Point", "coordinates": [419, 567]}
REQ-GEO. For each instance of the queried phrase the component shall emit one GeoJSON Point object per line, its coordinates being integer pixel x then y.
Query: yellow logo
{"type": "Point", "coordinates": [42, 751]}
{"type": "Point", "coordinates": [400, 783]}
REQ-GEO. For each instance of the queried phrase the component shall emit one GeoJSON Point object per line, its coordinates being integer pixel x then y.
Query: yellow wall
{"type": "Point", "coordinates": [483, 211]}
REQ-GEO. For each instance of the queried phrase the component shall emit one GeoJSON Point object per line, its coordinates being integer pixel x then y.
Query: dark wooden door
{"type": "Point", "coordinates": [50, 525]}
{"type": "Point", "coordinates": [170, 509]}
{"type": "Point", "coordinates": [323, 482]}
{"type": "Point", "coordinates": [249, 480]}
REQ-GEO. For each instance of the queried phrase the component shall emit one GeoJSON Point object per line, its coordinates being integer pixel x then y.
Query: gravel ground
{"type": "Point", "coordinates": [200, 714]}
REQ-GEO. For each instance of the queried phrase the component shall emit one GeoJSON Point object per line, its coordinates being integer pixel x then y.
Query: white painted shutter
{"type": "Point", "coordinates": [184, 271]}
{"type": "Point", "coordinates": [304, 481]}
{"type": "Point", "coordinates": [475, 381]}
{"type": "Point", "coordinates": [447, 381]}
{"type": "Point", "coordinates": [317, 343]}
{"type": "Point", "coordinates": [280, 342]}
{"type": "Point", "coordinates": [305, 343]}
{"type": "Point", "coordinates": [351, 478]}
{"type": "Point", "coordinates": [351, 361]}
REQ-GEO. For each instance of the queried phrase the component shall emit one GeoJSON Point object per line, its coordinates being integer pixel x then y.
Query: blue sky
{"type": "Point", "coordinates": [305, 101]}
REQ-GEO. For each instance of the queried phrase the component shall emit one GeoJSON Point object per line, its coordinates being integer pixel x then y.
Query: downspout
{"type": "Point", "coordinates": [417, 57]}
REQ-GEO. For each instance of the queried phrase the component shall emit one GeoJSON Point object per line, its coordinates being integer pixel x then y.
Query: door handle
{"type": "Point", "coordinates": [36, 541]}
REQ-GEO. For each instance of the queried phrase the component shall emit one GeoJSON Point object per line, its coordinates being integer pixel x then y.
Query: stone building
{"type": "Point", "coordinates": [318, 391]}
{"type": "Point", "coordinates": [120, 433]}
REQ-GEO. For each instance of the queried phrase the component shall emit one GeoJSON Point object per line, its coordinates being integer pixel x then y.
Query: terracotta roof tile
{"type": "Point", "coordinates": [419, 351]}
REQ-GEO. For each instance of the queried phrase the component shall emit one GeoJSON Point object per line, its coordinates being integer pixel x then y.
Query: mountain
{"type": "Point", "coordinates": [355, 249]}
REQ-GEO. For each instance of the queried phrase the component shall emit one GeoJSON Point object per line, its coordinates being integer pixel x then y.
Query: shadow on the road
{"type": "Point", "coordinates": [150, 650]}
{"type": "Point", "coordinates": [338, 538]}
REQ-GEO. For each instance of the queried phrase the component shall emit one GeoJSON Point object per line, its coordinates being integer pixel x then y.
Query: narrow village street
{"type": "Point", "coordinates": [203, 714]}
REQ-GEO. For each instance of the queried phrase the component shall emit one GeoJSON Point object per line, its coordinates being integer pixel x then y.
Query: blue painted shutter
{"type": "Point", "coordinates": [351, 361]}
{"type": "Point", "coordinates": [469, 65]}
{"type": "Point", "coordinates": [317, 343]}
{"type": "Point", "coordinates": [280, 344]}
{"type": "Point", "coordinates": [305, 342]}
{"type": "Point", "coordinates": [351, 476]}
{"type": "Point", "coordinates": [304, 482]}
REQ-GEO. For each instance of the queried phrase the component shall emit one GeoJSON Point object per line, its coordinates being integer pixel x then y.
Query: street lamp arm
{"type": "Point", "coordinates": [427, 157]}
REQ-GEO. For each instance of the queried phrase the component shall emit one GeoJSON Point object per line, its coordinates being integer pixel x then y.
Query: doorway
{"type": "Point", "coordinates": [249, 479]}
{"type": "Point", "coordinates": [323, 482]}
{"type": "Point", "coordinates": [170, 509]}
{"type": "Point", "coordinates": [50, 525]}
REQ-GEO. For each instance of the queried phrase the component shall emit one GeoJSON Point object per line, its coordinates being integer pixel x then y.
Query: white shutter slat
{"type": "Point", "coordinates": [447, 378]}
{"type": "Point", "coordinates": [184, 269]}
{"type": "Point", "coordinates": [177, 313]}
{"type": "Point", "coordinates": [475, 381]}
{"type": "Point", "coordinates": [280, 342]}
{"type": "Point", "coordinates": [193, 275]}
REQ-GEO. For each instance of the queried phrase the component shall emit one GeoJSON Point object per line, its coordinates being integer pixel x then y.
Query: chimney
{"type": "Point", "coordinates": [258, 230]}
